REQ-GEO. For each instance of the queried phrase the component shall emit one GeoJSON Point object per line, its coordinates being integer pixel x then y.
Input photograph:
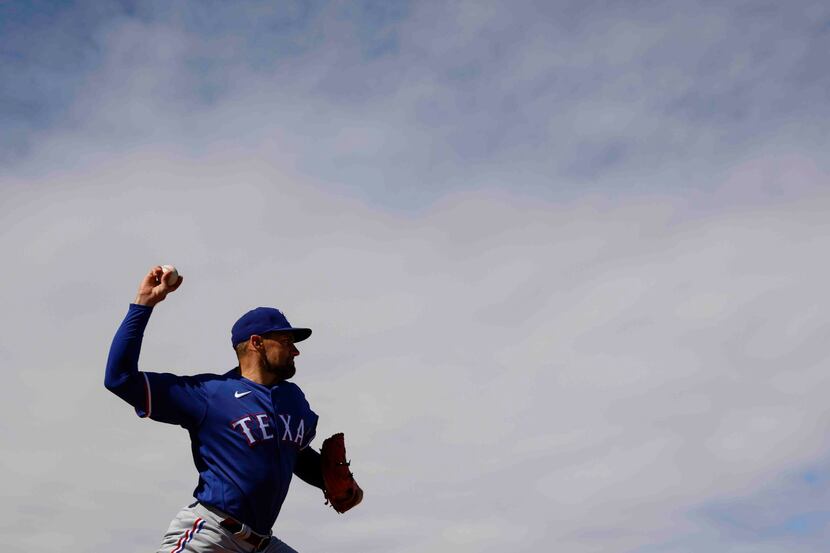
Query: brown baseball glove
{"type": "Point", "coordinates": [342, 492]}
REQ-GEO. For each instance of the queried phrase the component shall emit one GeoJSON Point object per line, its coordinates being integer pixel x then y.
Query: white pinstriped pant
{"type": "Point", "coordinates": [196, 530]}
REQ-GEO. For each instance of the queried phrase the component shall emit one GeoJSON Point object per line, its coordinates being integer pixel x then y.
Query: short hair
{"type": "Point", "coordinates": [240, 348]}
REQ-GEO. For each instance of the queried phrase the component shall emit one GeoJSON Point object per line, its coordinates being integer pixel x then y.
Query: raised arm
{"type": "Point", "coordinates": [122, 377]}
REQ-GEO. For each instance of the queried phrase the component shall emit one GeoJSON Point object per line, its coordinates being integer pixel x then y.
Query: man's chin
{"type": "Point", "coordinates": [287, 371]}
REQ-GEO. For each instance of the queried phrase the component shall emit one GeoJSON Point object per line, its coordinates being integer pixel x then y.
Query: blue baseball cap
{"type": "Point", "coordinates": [263, 320]}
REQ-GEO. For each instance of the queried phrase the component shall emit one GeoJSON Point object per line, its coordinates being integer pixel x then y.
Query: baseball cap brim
{"type": "Point", "coordinates": [299, 334]}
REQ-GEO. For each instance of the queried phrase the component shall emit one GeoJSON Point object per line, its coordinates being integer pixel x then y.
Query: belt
{"type": "Point", "coordinates": [240, 530]}
{"type": "Point", "coordinates": [243, 532]}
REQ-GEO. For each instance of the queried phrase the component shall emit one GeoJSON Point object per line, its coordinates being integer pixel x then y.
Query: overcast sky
{"type": "Point", "coordinates": [565, 263]}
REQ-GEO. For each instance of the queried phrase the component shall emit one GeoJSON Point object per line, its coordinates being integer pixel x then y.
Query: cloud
{"type": "Point", "coordinates": [552, 99]}
{"type": "Point", "coordinates": [563, 266]}
{"type": "Point", "coordinates": [596, 368]}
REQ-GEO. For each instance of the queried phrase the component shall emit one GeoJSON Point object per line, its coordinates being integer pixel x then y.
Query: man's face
{"type": "Point", "coordinates": [280, 352]}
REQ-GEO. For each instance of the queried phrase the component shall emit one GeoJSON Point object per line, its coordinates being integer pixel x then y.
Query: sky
{"type": "Point", "coordinates": [563, 262]}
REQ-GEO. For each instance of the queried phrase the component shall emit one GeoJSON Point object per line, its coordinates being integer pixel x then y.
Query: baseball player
{"type": "Point", "coordinates": [249, 428]}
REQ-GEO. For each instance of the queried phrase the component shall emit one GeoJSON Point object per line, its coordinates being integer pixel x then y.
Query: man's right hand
{"type": "Point", "coordinates": [153, 288]}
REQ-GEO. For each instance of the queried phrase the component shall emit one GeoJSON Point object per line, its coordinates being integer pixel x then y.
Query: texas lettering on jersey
{"type": "Point", "coordinates": [259, 427]}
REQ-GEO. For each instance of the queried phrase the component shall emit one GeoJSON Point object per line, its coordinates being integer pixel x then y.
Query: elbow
{"type": "Point", "coordinates": [112, 384]}
{"type": "Point", "coordinates": [115, 380]}
{"type": "Point", "coordinates": [124, 387]}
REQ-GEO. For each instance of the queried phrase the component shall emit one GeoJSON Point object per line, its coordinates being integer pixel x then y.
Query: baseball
{"type": "Point", "coordinates": [171, 275]}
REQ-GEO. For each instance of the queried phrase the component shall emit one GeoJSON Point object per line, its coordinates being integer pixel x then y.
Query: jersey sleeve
{"type": "Point", "coordinates": [122, 376]}
{"type": "Point", "coordinates": [309, 468]}
{"type": "Point", "coordinates": [160, 396]}
{"type": "Point", "coordinates": [173, 399]}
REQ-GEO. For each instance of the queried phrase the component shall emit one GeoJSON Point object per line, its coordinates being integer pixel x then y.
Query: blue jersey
{"type": "Point", "coordinates": [244, 436]}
